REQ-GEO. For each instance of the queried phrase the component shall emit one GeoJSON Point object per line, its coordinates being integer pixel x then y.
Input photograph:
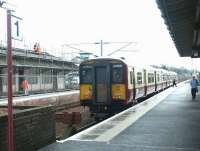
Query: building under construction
{"type": "Point", "coordinates": [43, 71]}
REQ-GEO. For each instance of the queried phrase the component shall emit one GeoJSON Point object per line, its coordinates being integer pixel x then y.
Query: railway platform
{"type": "Point", "coordinates": [169, 121]}
{"type": "Point", "coordinates": [56, 98]}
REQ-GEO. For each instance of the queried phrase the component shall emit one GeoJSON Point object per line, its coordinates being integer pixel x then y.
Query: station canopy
{"type": "Point", "coordinates": [182, 18]}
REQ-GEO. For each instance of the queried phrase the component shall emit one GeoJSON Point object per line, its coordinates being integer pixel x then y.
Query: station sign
{"type": "Point", "coordinates": [16, 23]}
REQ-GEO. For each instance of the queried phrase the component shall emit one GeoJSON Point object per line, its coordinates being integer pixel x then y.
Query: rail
{"type": "Point", "coordinates": [66, 106]}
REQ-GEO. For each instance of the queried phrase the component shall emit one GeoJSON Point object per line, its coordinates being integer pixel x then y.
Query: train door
{"type": "Point", "coordinates": [134, 88]}
{"type": "Point", "coordinates": [145, 81]}
{"type": "Point", "coordinates": [155, 77]}
{"type": "Point", "coordinates": [102, 88]}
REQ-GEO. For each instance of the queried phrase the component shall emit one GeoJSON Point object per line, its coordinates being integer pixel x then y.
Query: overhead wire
{"type": "Point", "coordinates": [126, 45]}
{"type": "Point", "coordinates": [120, 48]}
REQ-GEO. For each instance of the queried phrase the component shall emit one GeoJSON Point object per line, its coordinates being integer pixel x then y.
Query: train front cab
{"type": "Point", "coordinates": [103, 86]}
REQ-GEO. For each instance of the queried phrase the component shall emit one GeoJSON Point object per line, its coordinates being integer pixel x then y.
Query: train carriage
{"type": "Point", "coordinates": [110, 85]}
{"type": "Point", "coordinates": [103, 83]}
{"type": "Point", "coordinates": [139, 83]}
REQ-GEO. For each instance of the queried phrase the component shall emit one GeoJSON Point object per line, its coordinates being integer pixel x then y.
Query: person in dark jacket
{"type": "Point", "coordinates": [194, 87]}
{"type": "Point", "coordinates": [174, 82]}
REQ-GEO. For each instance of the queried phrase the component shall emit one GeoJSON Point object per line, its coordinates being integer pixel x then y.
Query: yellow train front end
{"type": "Point", "coordinates": [103, 85]}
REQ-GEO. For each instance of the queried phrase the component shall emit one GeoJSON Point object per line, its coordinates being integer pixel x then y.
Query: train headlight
{"type": "Point", "coordinates": [118, 92]}
{"type": "Point", "coordinates": [85, 91]}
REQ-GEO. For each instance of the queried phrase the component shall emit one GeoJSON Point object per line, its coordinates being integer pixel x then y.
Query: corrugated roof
{"type": "Point", "coordinates": [179, 16]}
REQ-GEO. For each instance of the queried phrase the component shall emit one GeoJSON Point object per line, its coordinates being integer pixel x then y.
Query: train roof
{"type": "Point", "coordinates": [105, 58]}
{"type": "Point", "coordinates": [129, 64]}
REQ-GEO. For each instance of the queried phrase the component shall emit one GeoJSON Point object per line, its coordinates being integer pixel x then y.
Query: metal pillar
{"type": "Point", "coordinates": [1, 82]}
{"type": "Point", "coordinates": [101, 43]}
{"type": "Point", "coordinates": [10, 93]}
{"type": "Point", "coordinates": [55, 80]}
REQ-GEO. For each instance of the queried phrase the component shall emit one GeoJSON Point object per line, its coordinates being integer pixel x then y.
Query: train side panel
{"type": "Point", "coordinates": [140, 89]}
{"type": "Point", "coordinates": [151, 85]}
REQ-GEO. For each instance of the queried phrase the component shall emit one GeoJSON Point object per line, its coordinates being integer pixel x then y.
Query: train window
{"type": "Point", "coordinates": [139, 78]}
{"type": "Point", "coordinates": [117, 73]}
{"type": "Point", "coordinates": [163, 78]}
{"type": "Point", "coordinates": [150, 77]}
{"type": "Point", "coordinates": [131, 77]}
{"type": "Point", "coordinates": [86, 75]}
{"type": "Point", "coordinates": [158, 78]}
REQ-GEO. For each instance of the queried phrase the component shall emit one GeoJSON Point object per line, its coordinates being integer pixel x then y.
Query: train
{"type": "Point", "coordinates": [110, 85]}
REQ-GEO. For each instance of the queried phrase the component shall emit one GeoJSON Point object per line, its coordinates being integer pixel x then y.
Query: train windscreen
{"type": "Point", "coordinates": [117, 73]}
{"type": "Point", "coordinates": [86, 82]}
{"type": "Point", "coordinates": [118, 86]}
{"type": "Point", "coordinates": [86, 74]}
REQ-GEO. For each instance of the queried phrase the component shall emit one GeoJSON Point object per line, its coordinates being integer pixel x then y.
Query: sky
{"type": "Point", "coordinates": [64, 22]}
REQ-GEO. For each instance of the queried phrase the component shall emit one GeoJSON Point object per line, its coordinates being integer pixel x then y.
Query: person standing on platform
{"type": "Point", "coordinates": [194, 87]}
{"type": "Point", "coordinates": [25, 86]}
{"type": "Point", "coordinates": [174, 82]}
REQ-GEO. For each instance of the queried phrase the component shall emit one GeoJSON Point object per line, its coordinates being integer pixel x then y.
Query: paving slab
{"type": "Point", "coordinates": [172, 125]}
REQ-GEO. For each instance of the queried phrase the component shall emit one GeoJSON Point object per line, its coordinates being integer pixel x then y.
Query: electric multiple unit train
{"type": "Point", "coordinates": [110, 85]}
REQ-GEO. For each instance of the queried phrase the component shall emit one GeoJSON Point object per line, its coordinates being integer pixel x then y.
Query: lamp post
{"type": "Point", "coordinates": [10, 136]}
{"type": "Point", "coordinates": [10, 93]}
{"type": "Point", "coordinates": [101, 45]}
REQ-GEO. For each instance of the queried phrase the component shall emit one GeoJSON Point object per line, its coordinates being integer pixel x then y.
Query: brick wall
{"type": "Point", "coordinates": [33, 129]}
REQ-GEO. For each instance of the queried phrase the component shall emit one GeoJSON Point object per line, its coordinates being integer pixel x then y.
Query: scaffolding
{"type": "Point", "coordinates": [45, 72]}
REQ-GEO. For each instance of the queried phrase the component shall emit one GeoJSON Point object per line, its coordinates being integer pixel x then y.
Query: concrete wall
{"type": "Point", "coordinates": [33, 128]}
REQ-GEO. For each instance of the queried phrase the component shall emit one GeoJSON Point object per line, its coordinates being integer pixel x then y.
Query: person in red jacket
{"type": "Point", "coordinates": [25, 86]}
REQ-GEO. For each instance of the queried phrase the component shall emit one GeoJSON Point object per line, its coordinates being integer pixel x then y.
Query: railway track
{"type": "Point", "coordinates": [66, 106]}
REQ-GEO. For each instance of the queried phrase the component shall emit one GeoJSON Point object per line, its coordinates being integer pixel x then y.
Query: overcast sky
{"type": "Point", "coordinates": [54, 23]}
